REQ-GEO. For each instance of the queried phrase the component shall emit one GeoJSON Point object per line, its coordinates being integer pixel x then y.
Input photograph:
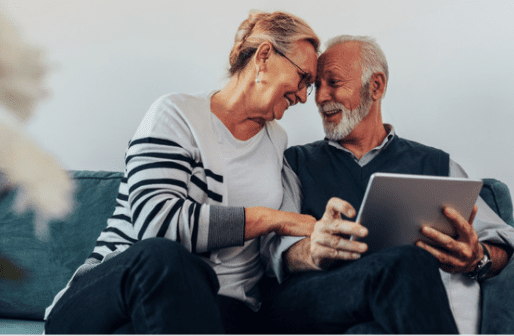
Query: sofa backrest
{"type": "Point", "coordinates": [49, 265]}
{"type": "Point", "coordinates": [496, 194]}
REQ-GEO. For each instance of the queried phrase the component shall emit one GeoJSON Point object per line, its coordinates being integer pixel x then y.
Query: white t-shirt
{"type": "Point", "coordinates": [253, 174]}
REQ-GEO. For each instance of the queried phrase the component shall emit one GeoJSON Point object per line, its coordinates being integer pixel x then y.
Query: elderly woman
{"type": "Point", "coordinates": [199, 205]}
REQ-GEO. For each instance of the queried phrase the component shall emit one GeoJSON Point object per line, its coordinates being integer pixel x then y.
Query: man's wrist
{"type": "Point", "coordinates": [298, 258]}
{"type": "Point", "coordinates": [483, 267]}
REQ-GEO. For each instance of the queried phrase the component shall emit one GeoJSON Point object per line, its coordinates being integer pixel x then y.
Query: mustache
{"type": "Point", "coordinates": [330, 106]}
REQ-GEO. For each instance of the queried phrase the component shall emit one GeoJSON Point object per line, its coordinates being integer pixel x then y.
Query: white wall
{"type": "Point", "coordinates": [450, 63]}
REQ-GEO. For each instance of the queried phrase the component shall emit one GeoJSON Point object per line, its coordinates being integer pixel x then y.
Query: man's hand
{"type": "Point", "coordinates": [456, 255]}
{"type": "Point", "coordinates": [330, 240]}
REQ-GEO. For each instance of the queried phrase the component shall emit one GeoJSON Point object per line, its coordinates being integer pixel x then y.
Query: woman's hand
{"type": "Point", "coordinates": [261, 221]}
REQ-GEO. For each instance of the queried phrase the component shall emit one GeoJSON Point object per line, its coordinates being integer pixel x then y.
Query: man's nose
{"type": "Point", "coordinates": [322, 94]}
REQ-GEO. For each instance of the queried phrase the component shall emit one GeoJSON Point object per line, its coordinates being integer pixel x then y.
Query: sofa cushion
{"type": "Point", "coordinates": [496, 194]}
{"type": "Point", "coordinates": [49, 265]}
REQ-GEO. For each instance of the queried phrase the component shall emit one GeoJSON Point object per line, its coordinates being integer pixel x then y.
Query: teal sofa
{"type": "Point", "coordinates": [47, 266]}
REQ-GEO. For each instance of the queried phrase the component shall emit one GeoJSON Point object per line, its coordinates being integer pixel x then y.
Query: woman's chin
{"type": "Point", "coordinates": [279, 114]}
{"type": "Point", "coordinates": [280, 110]}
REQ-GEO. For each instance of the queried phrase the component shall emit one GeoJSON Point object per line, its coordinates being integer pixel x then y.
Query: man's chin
{"type": "Point", "coordinates": [334, 132]}
{"type": "Point", "coordinates": [333, 135]}
{"type": "Point", "coordinates": [333, 118]}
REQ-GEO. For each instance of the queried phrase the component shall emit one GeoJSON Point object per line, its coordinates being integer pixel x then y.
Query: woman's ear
{"type": "Point", "coordinates": [262, 54]}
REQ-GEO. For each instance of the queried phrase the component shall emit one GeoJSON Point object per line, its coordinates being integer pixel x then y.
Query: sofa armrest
{"type": "Point", "coordinates": [497, 292]}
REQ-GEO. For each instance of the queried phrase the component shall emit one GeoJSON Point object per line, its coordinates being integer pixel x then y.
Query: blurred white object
{"type": "Point", "coordinates": [21, 71]}
{"type": "Point", "coordinates": [43, 185]}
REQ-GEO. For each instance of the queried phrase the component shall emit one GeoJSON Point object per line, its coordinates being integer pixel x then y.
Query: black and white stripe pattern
{"type": "Point", "coordinates": [163, 195]}
{"type": "Point", "coordinates": [167, 192]}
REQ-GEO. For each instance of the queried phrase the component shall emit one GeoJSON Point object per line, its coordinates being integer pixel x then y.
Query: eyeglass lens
{"type": "Point", "coordinates": [304, 80]}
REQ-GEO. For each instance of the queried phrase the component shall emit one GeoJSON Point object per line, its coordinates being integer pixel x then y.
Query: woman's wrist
{"type": "Point", "coordinates": [259, 221]}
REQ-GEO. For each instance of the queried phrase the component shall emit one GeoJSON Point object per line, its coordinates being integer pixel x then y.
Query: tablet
{"type": "Point", "coordinates": [396, 206]}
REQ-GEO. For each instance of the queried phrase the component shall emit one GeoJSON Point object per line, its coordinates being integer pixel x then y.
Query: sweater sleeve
{"type": "Point", "coordinates": [168, 193]}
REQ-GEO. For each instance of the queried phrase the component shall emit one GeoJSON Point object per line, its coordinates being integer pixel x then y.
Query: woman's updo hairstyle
{"type": "Point", "coordinates": [281, 29]}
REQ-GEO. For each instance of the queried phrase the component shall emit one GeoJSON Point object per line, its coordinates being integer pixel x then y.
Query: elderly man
{"type": "Point", "coordinates": [350, 84]}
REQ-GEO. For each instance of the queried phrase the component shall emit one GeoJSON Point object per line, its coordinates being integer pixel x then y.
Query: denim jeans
{"type": "Point", "coordinates": [154, 287]}
{"type": "Point", "coordinates": [395, 291]}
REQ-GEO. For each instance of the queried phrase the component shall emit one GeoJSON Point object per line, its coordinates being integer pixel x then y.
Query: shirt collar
{"type": "Point", "coordinates": [391, 133]}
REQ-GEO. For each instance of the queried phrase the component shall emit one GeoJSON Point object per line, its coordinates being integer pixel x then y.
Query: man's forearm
{"type": "Point", "coordinates": [298, 257]}
{"type": "Point", "coordinates": [499, 257]}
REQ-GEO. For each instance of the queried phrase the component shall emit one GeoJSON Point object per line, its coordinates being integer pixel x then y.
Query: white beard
{"type": "Point", "coordinates": [349, 118]}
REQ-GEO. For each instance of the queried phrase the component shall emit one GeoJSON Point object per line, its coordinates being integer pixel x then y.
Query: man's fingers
{"type": "Point", "coordinates": [324, 254]}
{"type": "Point", "coordinates": [473, 214]}
{"type": "Point", "coordinates": [336, 206]}
{"type": "Point", "coordinates": [438, 237]}
{"type": "Point", "coordinates": [342, 228]}
{"type": "Point", "coordinates": [444, 259]}
{"type": "Point", "coordinates": [461, 225]}
{"type": "Point", "coordinates": [340, 243]}
{"type": "Point", "coordinates": [460, 250]}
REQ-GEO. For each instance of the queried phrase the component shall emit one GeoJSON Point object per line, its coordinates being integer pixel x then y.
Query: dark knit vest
{"type": "Point", "coordinates": [326, 171]}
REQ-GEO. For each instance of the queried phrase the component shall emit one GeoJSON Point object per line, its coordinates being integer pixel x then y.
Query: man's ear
{"type": "Point", "coordinates": [262, 54]}
{"type": "Point", "coordinates": [377, 85]}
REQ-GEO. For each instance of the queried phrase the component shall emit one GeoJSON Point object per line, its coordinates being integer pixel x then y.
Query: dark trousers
{"type": "Point", "coordinates": [157, 286]}
{"type": "Point", "coordinates": [154, 287]}
{"type": "Point", "coordinates": [396, 291]}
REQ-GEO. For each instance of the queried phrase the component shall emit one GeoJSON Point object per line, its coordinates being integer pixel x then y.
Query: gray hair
{"type": "Point", "coordinates": [372, 57]}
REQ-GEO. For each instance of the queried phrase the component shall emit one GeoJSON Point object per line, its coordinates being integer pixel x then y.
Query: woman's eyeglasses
{"type": "Point", "coordinates": [304, 76]}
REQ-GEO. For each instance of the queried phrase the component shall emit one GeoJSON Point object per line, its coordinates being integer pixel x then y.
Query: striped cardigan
{"type": "Point", "coordinates": [174, 188]}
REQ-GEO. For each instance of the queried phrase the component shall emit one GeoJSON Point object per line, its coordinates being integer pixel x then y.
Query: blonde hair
{"type": "Point", "coordinates": [281, 29]}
